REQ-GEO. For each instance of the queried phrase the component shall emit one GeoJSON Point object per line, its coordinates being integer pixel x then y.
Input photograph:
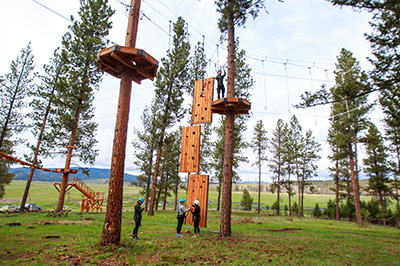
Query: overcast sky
{"type": "Point", "coordinates": [291, 49]}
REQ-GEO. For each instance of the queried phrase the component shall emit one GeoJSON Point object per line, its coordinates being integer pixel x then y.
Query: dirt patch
{"type": "Point", "coordinates": [245, 221]}
{"type": "Point", "coordinates": [283, 230]}
{"type": "Point", "coordinates": [44, 222]}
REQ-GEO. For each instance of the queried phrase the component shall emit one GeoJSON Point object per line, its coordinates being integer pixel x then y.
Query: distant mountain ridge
{"type": "Point", "coordinates": [39, 175]}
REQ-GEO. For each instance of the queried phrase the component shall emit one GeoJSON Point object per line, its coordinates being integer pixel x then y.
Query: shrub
{"type": "Point", "coordinates": [295, 208]}
{"type": "Point", "coordinates": [317, 211]}
{"type": "Point", "coordinates": [247, 201]}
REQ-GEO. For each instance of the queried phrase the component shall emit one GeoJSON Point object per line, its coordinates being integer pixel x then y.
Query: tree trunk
{"type": "Point", "coordinates": [290, 196]}
{"type": "Point", "coordinates": [259, 181]}
{"type": "Point", "coordinates": [160, 188]}
{"type": "Point", "coordinates": [219, 196]}
{"type": "Point", "coordinates": [337, 189]}
{"type": "Point", "coordinates": [165, 196]}
{"type": "Point", "coordinates": [226, 208]}
{"type": "Point", "coordinates": [158, 160]}
{"type": "Point", "coordinates": [112, 224]}
{"type": "Point", "coordinates": [278, 189]}
{"type": "Point", "coordinates": [34, 161]}
{"type": "Point", "coordinates": [148, 181]}
{"type": "Point", "coordinates": [298, 189]}
{"type": "Point", "coordinates": [154, 188]}
{"type": "Point", "coordinates": [398, 168]}
{"type": "Point", "coordinates": [65, 176]}
{"type": "Point", "coordinates": [354, 182]}
{"type": "Point", "coordinates": [176, 193]}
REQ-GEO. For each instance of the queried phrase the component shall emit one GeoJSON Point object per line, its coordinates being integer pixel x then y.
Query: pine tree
{"type": "Point", "coordinates": [276, 160]}
{"type": "Point", "coordinates": [81, 77]}
{"type": "Point", "coordinates": [289, 157]}
{"type": "Point", "coordinates": [259, 145]}
{"type": "Point", "coordinates": [244, 82]}
{"type": "Point", "coordinates": [350, 82]}
{"type": "Point", "coordinates": [297, 147]}
{"type": "Point", "coordinates": [307, 164]}
{"type": "Point", "coordinates": [247, 200]}
{"type": "Point", "coordinates": [14, 88]}
{"type": "Point", "coordinates": [376, 166]}
{"type": "Point", "coordinates": [41, 113]}
{"type": "Point", "coordinates": [145, 147]}
{"type": "Point", "coordinates": [172, 78]}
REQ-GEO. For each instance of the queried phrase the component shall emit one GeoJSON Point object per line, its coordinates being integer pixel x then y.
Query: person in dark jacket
{"type": "Point", "coordinates": [220, 83]}
{"type": "Point", "coordinates": [181, 216]}
{"type": "Point", "coordinates": [196, 217]}
{"type": "Point", "coordinates": [138, 218]}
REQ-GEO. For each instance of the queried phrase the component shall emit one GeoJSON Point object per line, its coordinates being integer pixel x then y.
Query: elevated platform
{"type": "Point", "coordinates": [90, 200]}
{"type": "Point", "coordinates": [115, 58]}
{"type": "Point", "coordinates": [237, 105]}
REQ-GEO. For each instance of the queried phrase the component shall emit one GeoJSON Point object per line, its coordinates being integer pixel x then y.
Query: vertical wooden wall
{"type": "Point", "coordinates": [198, 190]}
{"type": "Point", "coordinates": [202, 98]}
{"type": "Point", "coordinates": [190, 149]}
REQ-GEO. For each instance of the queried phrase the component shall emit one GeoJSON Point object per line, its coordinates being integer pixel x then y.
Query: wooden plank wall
{"type": "Point", "coordinates": [190, 149]}
{"type": "Point", "coordinates": [202, 98]}
{"type": "Point", "coordinates": [198, 189]}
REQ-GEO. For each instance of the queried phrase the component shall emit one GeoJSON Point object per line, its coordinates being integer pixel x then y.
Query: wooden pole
{"type": "Point", "coordinates": [226, 208]}
{"type": "Point", "coordinates": [112, 225]}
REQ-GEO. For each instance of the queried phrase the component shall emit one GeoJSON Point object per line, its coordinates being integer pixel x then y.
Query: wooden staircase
{"type": "Point", "coordinates": [90, 200]}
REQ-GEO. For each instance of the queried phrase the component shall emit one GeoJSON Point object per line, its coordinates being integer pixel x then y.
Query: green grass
{"type": "Point", "coordinates": [257, 239]}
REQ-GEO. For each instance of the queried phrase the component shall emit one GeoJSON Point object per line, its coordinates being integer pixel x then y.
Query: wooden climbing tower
{"type": "Point", "coordinates": [190, 155]}
{"type": "Point", "coordinates": [90, 200]}
{"type": "Point", "coordinates": [203, 108]}
{"type": "Point", "coordinates": [198, 189]}
{"type": "Point", "coordinates": [202, 99]}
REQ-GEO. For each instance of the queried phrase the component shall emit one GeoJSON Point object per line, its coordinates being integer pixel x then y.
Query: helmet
{"type": "Point", "coordinates": [196, 202]}
{"type": "Point", "coordinates": [182, 200]}
{"type": "Point", "coordinates": [141, 199]}
{"type": "Point", "coordinates": [219, 70]}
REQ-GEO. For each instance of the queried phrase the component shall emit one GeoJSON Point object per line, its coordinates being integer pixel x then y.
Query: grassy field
{"type": "Point", "coordinates": [257, 239]}
{"type": "Point", "coordinates": [45, 195]}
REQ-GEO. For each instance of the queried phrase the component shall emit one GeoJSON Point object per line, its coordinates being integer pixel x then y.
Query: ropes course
{"type": "Point", "coordinates": [13, 159]}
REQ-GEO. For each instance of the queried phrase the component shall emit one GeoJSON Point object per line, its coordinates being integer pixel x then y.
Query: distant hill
{"type": "Point", "coordinates": [94, 173]}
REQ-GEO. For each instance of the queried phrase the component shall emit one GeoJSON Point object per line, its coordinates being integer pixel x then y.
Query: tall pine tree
{"type": "Point", "coordinates": [172, 78]}
{"type": "Point", "coordinates": [81, 77]}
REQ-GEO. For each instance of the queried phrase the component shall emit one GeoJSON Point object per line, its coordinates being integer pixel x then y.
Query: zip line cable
{"type": "Point", "coordinates": [287, 87]}
{"type": "Point", "coordinates": [51, 10]}
{"type": "Point", "coordinates": [265, 87]}
{"type": "Point", "coordinates": [58, 14]}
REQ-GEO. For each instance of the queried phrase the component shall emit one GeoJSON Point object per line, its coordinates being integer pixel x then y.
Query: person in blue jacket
{"type": "Point", "coordinates": [138, 218]}
{"type": "Point", "coordinates": [181, 216]}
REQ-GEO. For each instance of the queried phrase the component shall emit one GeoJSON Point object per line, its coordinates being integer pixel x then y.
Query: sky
{"type": "Point", "coordinates": [291, 48]}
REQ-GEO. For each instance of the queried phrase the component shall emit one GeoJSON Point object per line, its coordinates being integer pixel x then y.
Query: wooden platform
{"type": "Point", "coordinates": [198, 190]}
{"type": "Point", "coordinates": [202, 98]}
{"type": "Point", "coordinates": [237, 105]}
{"type": "Point", "coordinates": [90, 200]}
{"type": "Point", "coordinates": [115, 58]}
{"type": "Point", "coordinates": [190, 149]}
